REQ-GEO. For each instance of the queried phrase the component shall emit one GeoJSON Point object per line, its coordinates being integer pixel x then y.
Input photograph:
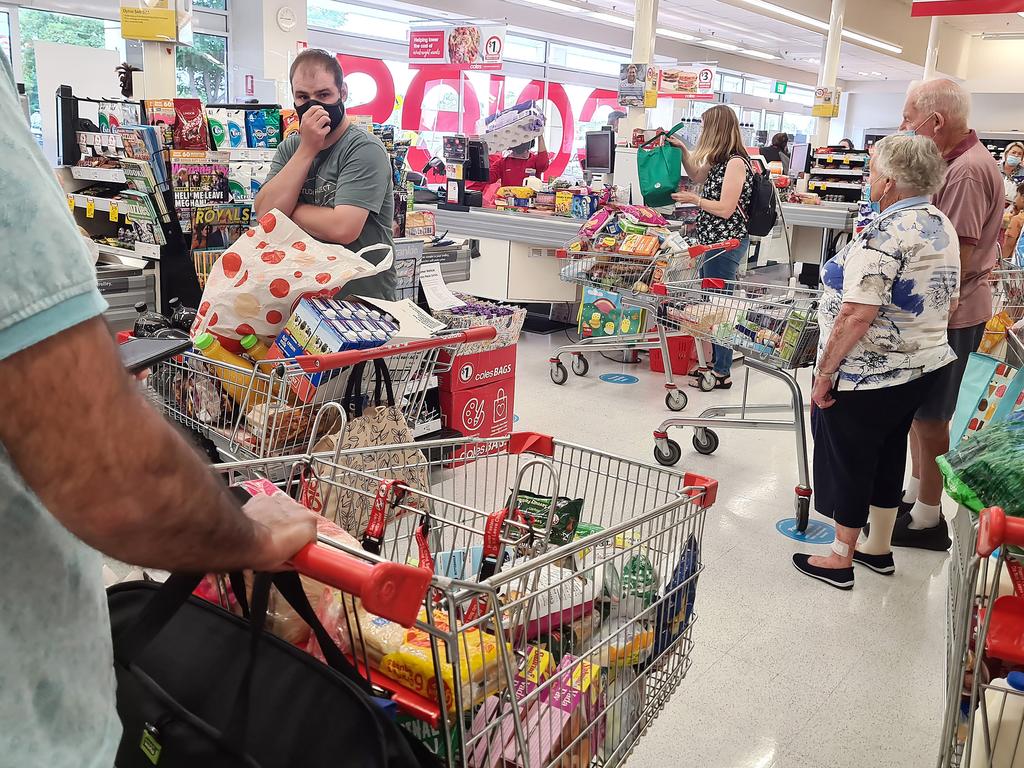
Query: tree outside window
{"type": "Point", "coordinates": [202, 68]}
{"type": "Point", "coordinates": [214, 5]}
{"type": "Point", "coordinates": [53, 28]}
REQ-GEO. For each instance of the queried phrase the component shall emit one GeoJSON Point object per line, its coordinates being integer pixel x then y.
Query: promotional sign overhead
{"type": "Point", "coordinates": [965, 7]}
{"type": "Point", "coordinates": [158, 24]}
{"type": "Point", "coordinates": [638, 85]}
{"type": "Point", "coordinates": [688, 81]}
{"type": "Point", "coordinates": [826, 102]}
{"type": "Point", "coordinates": [465, 45]}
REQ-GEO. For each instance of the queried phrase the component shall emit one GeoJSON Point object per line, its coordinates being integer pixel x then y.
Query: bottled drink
{"type": "Point", "coordinates": [182, 317]}
{"type": "Point", "coordinates": [234, 380]}
{"type": "Point", "coordinates": [254, 347]}
{"type": "Point", "coordinates": [148, 323]}
{"type": "Point", "coordinates": [1004, 705]}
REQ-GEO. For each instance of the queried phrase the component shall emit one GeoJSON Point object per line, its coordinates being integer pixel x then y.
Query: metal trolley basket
{"type": "Point", "coordinates": [614, 605]}
{"type": "Point", "coordinates": [983, 724]}
{"type": "Point", "coordinates": [257, 414]}
{"type": "Point", "coordinates": [775, 328]}
{"type": "Point", "coordinates": [636, 279]}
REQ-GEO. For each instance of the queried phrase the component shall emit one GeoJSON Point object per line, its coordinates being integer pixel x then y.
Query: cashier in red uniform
{"type": "Point", "coordinates": [519, 164]}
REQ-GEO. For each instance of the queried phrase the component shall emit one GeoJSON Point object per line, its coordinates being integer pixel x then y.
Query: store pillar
{"type": "Point", "coordinates": [645, 21]}
{"type": "Point", "coordinates": [158, 71]}
{"type": "Point", "coordinates": [830, 64]}
{"type": "Point", "coordinates": [932, 53]}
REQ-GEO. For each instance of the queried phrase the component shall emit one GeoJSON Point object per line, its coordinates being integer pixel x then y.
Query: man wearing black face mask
{"type": "Point", "coordinates": [332, 178]}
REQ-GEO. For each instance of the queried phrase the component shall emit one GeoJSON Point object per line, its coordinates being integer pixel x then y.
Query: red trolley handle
{"type": "Point", "coordinates": [996, 529]}
{"type": "Point", "coordinates": [315, 363]}
{"type": "Point", "coordinates": [727, 245]}
{"type": "Point", "coordinates": [391, 590]}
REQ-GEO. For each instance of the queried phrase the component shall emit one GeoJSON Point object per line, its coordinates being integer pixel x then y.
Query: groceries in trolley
{"type": "Point", "coordinates": [626, 248]}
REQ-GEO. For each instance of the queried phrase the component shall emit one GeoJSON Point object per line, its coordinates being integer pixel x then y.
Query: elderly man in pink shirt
{"type": "Point", "coordinates": [972, 198]}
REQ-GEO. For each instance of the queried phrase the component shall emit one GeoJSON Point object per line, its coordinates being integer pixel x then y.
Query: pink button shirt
{"type": "Point", "coordinates": [972, 198]}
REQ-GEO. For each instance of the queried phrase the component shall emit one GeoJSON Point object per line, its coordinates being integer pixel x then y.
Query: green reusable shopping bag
{"type": "Point", "coordinates": [659, 169]}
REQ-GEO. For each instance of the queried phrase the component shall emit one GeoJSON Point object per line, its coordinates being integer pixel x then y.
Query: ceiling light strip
{"type": "Point", "coordinates": [818, 24]}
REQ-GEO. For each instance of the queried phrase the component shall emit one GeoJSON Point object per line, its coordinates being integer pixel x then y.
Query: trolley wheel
{"type": "Point", "coordinates": [676, 400]}
{"type": "Point", "coordinates": [580, 365]}
{"type": "Point", "coordinates": [558, 373]}
{"type": "Point", "coordinates": [707, 381]}
{"type": "Point", "coordinates": [671, 457]}
{"type": "Point", "coordinates": [803, 512]}
{"type": "Point", "coordinates": [705, 441]}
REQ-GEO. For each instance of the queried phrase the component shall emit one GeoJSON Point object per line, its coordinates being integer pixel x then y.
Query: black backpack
{"type": "Point", "coordinates": [763, 211]}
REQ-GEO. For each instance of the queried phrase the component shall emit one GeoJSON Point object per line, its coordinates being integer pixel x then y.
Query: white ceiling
{"type": "Point", "coordinates": [997, 22]}
{"type": "Point", "coordinates": [796, 46]}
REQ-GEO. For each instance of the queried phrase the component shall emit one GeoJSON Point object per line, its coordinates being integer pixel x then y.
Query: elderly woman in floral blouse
{"type": "Point", "coordinates": [883, 314]}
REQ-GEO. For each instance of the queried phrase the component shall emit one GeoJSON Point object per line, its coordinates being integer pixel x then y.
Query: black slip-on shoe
{"type": "Point", "coordinates": [840, 578]}
{"type": "Point", "coordinates": [882, 564]}
{"type": "Point", "coordinates": [935, 539]}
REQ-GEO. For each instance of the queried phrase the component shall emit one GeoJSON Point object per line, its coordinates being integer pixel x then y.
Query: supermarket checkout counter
{"type": "Point", "coordinates": [517, 253]}
{"type": "Point", "coordinates": [814, 231]}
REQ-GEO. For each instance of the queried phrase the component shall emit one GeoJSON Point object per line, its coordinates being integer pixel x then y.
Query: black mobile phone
{"type": "Point", "coordinates": [140, 354]}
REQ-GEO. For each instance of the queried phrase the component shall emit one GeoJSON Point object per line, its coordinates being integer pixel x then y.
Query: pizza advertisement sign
{"type": "Point", "coordinates": [695, 82]}
{"type": "Point", "coordinates": [462, 44]}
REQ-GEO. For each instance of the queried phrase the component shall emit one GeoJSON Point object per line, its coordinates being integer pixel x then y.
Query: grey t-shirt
{"type": "Point", "coordinates": [355, 170]}
{"type": "Point", "coordinates": [56, 664]}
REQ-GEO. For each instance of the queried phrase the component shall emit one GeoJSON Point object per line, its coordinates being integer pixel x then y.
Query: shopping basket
{"type": "Point", "coordinates": [267, 418]}
{"type": "Point", "coordinates": [775, 328]}
{"type": "Point", "coordinates": [554, 629]}
{"type": "Point", "coordinates": [983, 724]}
{"type": "Point", "coordinates": [636, 280]}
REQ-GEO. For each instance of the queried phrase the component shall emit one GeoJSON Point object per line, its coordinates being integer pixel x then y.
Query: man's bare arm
{"type": "Point", "coordinates": [282, 191]}
{"type": "Point", "coordinates": [117, 475]}
{"type": "Point", "coordinates": [341, 224]}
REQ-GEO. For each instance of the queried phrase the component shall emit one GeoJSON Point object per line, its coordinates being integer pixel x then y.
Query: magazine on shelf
{"type": "Point", "coordinates": [200, 179]}
{"type": "Point", "coordinates": [139, 176]}
{"type": "Point", "coordinates": [142, 142]}
{"type": "Point", "coordinates": [160, 113]}
{"type": "Point", "coordinates": [144, 217]}
{"type": "Point", "coordinates": [214, 229]}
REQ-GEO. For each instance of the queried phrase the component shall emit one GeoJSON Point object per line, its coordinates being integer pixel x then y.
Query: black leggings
{"type": "Point", "coordinates": [860, 449]}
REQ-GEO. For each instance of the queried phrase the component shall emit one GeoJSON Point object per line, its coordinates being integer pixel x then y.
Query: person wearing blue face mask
{"type": "Point", "coordinates": [1011, 169]}
{"type": "Point", "coordinates": [332, 178]}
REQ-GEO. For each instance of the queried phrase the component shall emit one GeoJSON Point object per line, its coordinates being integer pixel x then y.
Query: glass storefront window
{"type": "Point", "coordinates": [801, 126]}
{"type": "Point", "coordinates": [586, 59]}
{"type": "Point", "coordinates": [732, 83]}
{"type": "Point", "coordinates": [519, 48]}
{"type": "Point", "coordinates": [55, 28]}
{"type": "Point", "coordinates": [5, 35]}
{"type": "Point", "coordinates": [213, 5]}
{"type": "Point", "coordinates": [202, 71]}
{"type": "Point", "coordinates": [757, 88]}
{"type": "Point", "coordinates": [358, 20]}
{"type": "Point", "coordinates": [802, 96]}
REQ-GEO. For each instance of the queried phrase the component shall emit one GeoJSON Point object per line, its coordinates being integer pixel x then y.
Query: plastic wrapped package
{"type": "Point", "coordinates": [622, 642]}
{"type": "Point", "coordinates": [627, 689]}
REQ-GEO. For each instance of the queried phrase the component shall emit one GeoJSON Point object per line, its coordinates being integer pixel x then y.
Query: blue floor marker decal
{"type": "Point", "coordinates": [514, 418]}
{"type": "Point", "coordinates": [619, 378]}
{"type": "Point", "coordinates": [816, 533]}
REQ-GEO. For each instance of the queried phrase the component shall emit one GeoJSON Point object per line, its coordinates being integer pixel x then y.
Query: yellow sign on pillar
{"type": "Point", "coordinates": [158, 24]}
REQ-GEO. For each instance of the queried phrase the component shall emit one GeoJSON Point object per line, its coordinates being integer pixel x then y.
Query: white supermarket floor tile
{"type": "Point", "coordinates": [787, 672]}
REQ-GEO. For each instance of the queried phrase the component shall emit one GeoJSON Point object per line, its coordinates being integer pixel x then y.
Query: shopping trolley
{"type": "Point", "coordinates": [775, 328]}
{"type": "Point", "coordinates": [635, 279]}
{"type": "Point", "coordinates": [270, 410]}
{"type": "Point", "coordinates": [983, 723]}
{"type": "Point", "coordinates": [1008, 290]}
{"type": "Point", "coordinates": [527, 651]}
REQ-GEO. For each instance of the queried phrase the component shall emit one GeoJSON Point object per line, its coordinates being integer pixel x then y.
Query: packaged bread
{"type": "Point", "coordinates": [412, 664]}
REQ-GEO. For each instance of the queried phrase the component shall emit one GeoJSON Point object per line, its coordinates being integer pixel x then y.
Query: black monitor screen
{"type": "Point", "coordinates": [600, 151]}
{"type": "Point", "coordinates": [801, 158]}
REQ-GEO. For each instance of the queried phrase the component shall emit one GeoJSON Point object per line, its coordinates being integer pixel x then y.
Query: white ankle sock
{"type": "Point", "coordinates": [910, 492]}
{"type": "Point", "coordinates": [925, 515]}
{"type": "Point", "coordinates": [879, 539]}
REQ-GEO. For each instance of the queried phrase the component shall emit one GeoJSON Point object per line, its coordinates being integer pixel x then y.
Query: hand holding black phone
{"type": "Point", "coordinates": [140, 354]}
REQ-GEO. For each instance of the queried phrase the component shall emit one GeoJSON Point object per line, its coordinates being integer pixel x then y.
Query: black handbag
{"type": "Point", "coordinates": [198, 686]}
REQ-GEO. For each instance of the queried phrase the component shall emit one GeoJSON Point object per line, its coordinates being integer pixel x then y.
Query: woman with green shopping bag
{"type": "Point", "coordinates": [721, 167]}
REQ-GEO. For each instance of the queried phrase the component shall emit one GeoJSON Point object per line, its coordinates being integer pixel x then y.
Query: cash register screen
{"type": "Point", "coordinates": [600, 147]}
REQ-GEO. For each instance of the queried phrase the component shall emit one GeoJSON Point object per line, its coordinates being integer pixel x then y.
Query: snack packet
{"type": "Point", "coordinates": [235, 126]}
{"type": "Point", "coordinates": [218, 118]}
{"type": "Point", "coordinates": [256, 128]}
{"type": "Point", "coordinates": [289, 122]}
{"type": "Point", "coordinates": [240, 182]}
{"type": "Point", "coordinates": [272, 121]}
{"type": "Point", "coordinates": [567, 515]}
{"type": "Point", "coordinates": [190, 130]}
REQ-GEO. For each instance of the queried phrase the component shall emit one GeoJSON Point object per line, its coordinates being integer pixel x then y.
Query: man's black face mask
{"type": "Point", "coordinates": [335, 111]}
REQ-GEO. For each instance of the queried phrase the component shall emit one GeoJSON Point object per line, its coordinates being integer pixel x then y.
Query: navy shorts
{"type": "Point", "coordinates": [940, 403]}
{"type": "Point", "coordinates": [860, 449]}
